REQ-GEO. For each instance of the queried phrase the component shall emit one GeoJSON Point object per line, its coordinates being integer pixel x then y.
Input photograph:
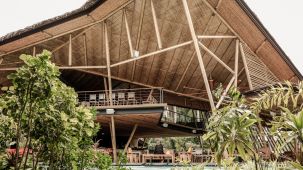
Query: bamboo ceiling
{"type": "Point", "coordinates": [175, 70]}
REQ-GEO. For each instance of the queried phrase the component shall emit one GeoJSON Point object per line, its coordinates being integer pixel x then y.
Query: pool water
{"type": "Point", "coordinates": [167, 168]}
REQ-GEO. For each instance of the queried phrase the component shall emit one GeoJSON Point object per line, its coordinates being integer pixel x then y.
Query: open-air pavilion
{"type": "Point", "coordinates": [137, 61]}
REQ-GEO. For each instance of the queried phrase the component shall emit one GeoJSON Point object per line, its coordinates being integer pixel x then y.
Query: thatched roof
{"type": "Point", "coordinates": [86, 8]}
{"type": "Point", "coordinates": [90, 5]}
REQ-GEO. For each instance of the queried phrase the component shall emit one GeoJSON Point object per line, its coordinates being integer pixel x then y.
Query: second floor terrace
{"type": "Point", "coordinates": [122, 98]}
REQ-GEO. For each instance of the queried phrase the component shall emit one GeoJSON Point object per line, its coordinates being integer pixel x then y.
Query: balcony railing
{"type": "Point", "coordinates": [120, 97]}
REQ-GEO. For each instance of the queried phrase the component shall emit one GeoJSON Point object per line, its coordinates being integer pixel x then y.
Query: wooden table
{"type": "Point", "coordinates": [160, 157]}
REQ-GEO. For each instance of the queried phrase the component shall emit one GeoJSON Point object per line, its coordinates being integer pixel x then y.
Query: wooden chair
{"type": "Point", "coordinates": [114, 99]}
{"type": "Point", "coordinates": [132, 157]}
{"type": "Point", "coordinates": [93, 99]}
{"type": "Point", "coordinates": [102, 99]}
{"type": "Point", "coordinates": [131, 98]}
{"type": "Point", "coordinates": [121, 98]}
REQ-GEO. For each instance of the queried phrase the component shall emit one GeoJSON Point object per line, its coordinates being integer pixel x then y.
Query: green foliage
{"type": "Point", "coordinates": [286, 95]}
{"type": "Point", "coordinates": [229, 130]}
{"type": "Point", "coordinates": [43, 113]}
{"type": "Point", "coordinates": [285, 102]}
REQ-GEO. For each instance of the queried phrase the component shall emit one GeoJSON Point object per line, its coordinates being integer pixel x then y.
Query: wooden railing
{"type": "Point", "coordinates": [138, 96]}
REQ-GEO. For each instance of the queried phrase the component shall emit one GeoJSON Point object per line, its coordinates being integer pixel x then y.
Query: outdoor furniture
{"type": "Point", "coordinates": [102, 99]}
{"type": "Point", "coordinates": [133, 156]}
{"type": "Point", "coordinates": [121, 98]}
{"type": "Point", "coordinates": [158, 157]}
{"type": "Point", "coordinates": [131, 98]}
{"type": "Point", "coordinates": [114, 98]}
{"type": "Point", "coordinates": [93, 99]}
{"type": "Point", "coordinates": [185, 156]}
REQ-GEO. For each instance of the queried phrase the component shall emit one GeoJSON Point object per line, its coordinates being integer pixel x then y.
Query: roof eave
{"type": "Point", "coordinates": [269, 37]}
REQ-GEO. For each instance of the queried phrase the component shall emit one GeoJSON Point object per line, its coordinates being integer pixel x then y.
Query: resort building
{"type": "Point", "coordinates": [139, 62]}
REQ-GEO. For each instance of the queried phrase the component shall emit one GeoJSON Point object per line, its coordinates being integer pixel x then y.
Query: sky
{"type": "Point", "coordinates": [281, 18]}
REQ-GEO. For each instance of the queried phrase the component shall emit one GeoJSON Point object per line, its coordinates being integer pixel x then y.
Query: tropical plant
{"type": "Point", "coordinates": [43, 113]}
{"type": "Point", "coordinates": [228, 130]}
{"type": "Point", "coordinates": [284, 101]}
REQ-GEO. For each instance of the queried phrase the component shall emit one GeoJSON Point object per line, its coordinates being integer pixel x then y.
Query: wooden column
{"type": "Point", "coordinates": [70, 50]}
{"type": "Point", "coordinates": [34, 51]}
{"type": "Point", "coordinates": [198, 52]}
{"type": "Point", "coordinates": [130, 138]}
{"type": "Point", "coordinates": [113, 130]}
{"type": "Point", "coordinates": [236, 63]}
{"type": "Point", "coordinates": [246, 67]}
{"type": "Point", "coordinates": [113, 138]}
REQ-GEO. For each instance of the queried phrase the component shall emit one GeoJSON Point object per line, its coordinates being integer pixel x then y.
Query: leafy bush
{"type": "Point", "coordinates": [41, 113]}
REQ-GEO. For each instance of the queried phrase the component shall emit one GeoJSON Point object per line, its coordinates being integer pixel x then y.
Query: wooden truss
{"type": "Point", "coordinates": [196, 42]}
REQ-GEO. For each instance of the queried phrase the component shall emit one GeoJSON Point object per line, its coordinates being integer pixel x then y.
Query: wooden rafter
{"type": "Point", "coordinates": [70, 50]}
{"type": "Point", "coordinates": [156, 25]}
{"type": "Point", "coordinates": [198, 52]}
{"type": "Point", "coordinates": [236, 63]}
{"type": "Point", "coordinates": [74, 37]}
{"type": "Point", "coordinates": [185, 71]}
{"type": "Point", "coordinates": [216, 36]}
{"type": "Point", "coordinates": [215, 57]}
{"type": "Point", "coordinates": [85, 49]}
{"type": "Point", "coordinates": [128, 34]}
{"type": "Point", "coordinates": [138, 36]}
{"type": "Point", "coordinates": [245, 66]}
{"type": "Point", "coordinates": [152, 53]}
{"type": "Point", "coordinates": [70, 31]}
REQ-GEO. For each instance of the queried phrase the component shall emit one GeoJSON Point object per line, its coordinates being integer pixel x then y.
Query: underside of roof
{"type": "Point", "coordinates": [165, 51]}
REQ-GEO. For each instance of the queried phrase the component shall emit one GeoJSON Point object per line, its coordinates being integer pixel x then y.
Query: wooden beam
{"type": "Point", "coordinates": [108, 64]}
{"type": "Point", "coordinates": [236, 63]}
{"type": "Point", "coordinates": [222, 19]}
{"type": "Point", "coordinates": [185, 71]}
{"type": "Point", "coordinates": [260, 46]}
{"type": "Point", "coordinates": [128, 34]}
{"type": "Point", "coordinates": [74, 37]}
{"type": "Point", "coordinates": [152, 53]}
{"type": "Point", "coordinates": [156, 24]}
{"type": "Point", "coordinates": [198, 52]}
{"type": "Point", "coordinates": [113, 135]}
{"type": "Point", "coordinates": [138, 36]}
{"type": "Point", "coordinates": [216, 36]}
{"type": "Point", "coordinates": [225, 92]}
{"type": "Point", "coordinates": [246, 67]}
{"type": "Point", "coordinates": [130, 138]}
{"type": "Point", "coordinates": [227, 89]}
{"type": "Point", "coordinates": [70, 50]}
{"type": "Point", "coordinates": [216, 57]}
{"type": "Point", "coordinates": [144, 85]}
{"type": "Point", "coordinates": [70, 31]}
{"type": "Point", "coordinates": [61, 68]}
{"type": "Point", "coordinates": [85, 49]}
